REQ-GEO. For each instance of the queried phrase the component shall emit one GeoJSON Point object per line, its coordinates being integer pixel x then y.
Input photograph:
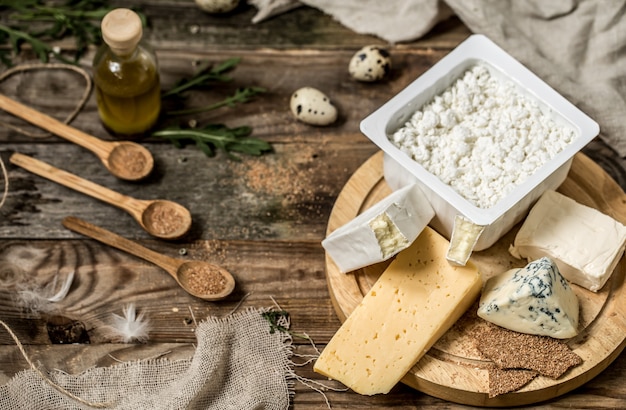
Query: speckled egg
{"type": "Point", "coordinates": [217, 6]}
{"type": "Point", "coordinates": [371, 63]}
{"type": "Point", "coordinates": [312, 106]}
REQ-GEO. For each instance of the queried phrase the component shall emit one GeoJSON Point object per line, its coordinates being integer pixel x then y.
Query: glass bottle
{"type": "Point", "coordinates": [126, 76]}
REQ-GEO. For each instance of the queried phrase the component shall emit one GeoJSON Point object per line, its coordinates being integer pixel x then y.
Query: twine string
{"type": "Point", "coordinates": [50, 66]}
{"type": "Point", "coordinates": [42, 66]}
{"type": "Point", "coordinates": [45, 377]}
{"type": "Point", "coordinates": [5, 175]}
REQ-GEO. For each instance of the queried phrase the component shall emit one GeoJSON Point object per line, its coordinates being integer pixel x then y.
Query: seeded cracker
{"type": "Point", "coordinates": [512, 350]}
{"type": "Point", "coordinates": [504, 381]}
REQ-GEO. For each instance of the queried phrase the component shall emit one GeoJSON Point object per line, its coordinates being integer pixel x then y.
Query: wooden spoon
{"type": "Point", "coordinates": [160, 218]}
{"type": "Point", "coordinates": [124, 159]}
{"type": "Point", "coordinates": [199, 278]}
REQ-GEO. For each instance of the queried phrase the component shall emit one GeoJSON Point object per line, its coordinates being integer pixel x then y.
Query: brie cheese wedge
{"type": "Point", "coordinates": [381, 231]}
{"type": "Point", "coordinates": [585, 243]}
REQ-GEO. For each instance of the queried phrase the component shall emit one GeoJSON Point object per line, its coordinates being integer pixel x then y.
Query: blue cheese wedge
{"type": "Point", "coordinates": [380, 232]}
{"type": "Point", "coordinates": [535, 300]}
{"type": "Point", "coordinates": [585, 243]}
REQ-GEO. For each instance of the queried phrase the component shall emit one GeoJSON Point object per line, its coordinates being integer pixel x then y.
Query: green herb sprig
{"type": "Point", "coordinates": [16, 38]}
{"type": "Point", "coordinates": [274, 317]}
{"type": "Point", "coordinates": [214, 137]}
{"type": "Point", "coordinates": [76, 18]}
{"type": "Point", "coordinates": [241, 95]}
{"type": "Point", "coordinates": [204, 76]}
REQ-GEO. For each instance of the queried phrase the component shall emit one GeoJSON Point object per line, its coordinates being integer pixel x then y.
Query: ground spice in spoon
{"type": "Point", "coordinates": [205, 280]}
{"type": "Point", "coordinates": [163, 219]}
{"type": "Point", "coordinates": [129, 161]}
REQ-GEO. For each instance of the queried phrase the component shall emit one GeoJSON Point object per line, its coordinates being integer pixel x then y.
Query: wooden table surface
{"type": "Point", "coordinates": [262, 218]}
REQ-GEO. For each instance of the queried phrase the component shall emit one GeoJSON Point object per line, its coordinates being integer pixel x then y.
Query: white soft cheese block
{"type": "Point", "coordinates": [535, 299]}
{"type": "Point", "coordinates": [413, 303]}
{"type": "Point", "coordinates": [465, 234]}
{"type": "Point", "coordinates": [380, 232]}
{"type": "Point", "coordinates": [585, 243]}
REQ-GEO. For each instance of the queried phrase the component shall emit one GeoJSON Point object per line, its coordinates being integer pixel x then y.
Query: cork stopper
{"type": "Point", "coordinates": [121, 30]}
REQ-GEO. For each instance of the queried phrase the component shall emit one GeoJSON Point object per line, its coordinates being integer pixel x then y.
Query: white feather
{"type": "Point", "coordinates": [132, 326]}
{"type": "Point", "coordinates": [65, 288]}
{"type": "Point", "coordinates": [41, 298]}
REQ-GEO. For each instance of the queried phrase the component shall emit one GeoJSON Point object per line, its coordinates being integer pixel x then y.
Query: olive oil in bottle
{"type": "Point", "coordinates": [126, 76]}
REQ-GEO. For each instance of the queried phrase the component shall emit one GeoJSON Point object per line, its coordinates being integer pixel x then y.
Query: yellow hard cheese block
{"type": "Point", "coordinates": [413, 303]}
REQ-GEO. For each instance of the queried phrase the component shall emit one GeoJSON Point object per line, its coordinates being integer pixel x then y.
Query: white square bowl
{"type": "Point", "coordinates": [401, 170]}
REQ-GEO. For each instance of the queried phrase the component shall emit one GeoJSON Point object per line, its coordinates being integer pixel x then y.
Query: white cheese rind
{"type": "Point", "coordinates": [380, 232]}
{"type": "Point", "coordinates": [585, 243]}
{"type": "Point", "coordinates": [535, 299]}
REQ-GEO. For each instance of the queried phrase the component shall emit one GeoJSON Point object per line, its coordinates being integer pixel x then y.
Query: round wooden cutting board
{"type": "Point", "coordinates": [453, 369]}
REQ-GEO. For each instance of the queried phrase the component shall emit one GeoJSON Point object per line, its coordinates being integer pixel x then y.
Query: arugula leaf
{"type": "Point", "coordinates": [279, 321]}
{"type": "Point", "coordinates": [204, 76]}
{"type": "Point", "coordinates": [16, 38]}
{"type": "Point", "coordinates": [241, 95]}
{"type": "Point", "coordinates": [274, 318]}
{"type": "Point", "coordinates": [215, 137]}
{"type": "Point", "coordinates": [79, 19]}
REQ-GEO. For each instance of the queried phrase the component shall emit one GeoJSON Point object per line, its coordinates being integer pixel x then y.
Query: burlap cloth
{"type": "Point", "coordinates": [576, 46]}
{"type": "Point", "coordinates": [238, 364]}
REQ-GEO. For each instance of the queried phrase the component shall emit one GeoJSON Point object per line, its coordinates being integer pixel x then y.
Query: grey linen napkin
{"type": "Point", "coordinates": [578, 47]}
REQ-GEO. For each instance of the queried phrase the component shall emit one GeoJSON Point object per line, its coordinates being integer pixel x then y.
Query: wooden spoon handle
{"type": "Point", "coordinates": [95, 145]}
{"type": "Point", "coordinates": [132, 205]}
{"type": "Point", "coordinates": [100, 234]}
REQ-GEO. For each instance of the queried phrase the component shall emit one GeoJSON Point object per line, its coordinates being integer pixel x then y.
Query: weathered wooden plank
{"type": "Point", "coordinates": [281, 73]}
{"type": "Point", "coordinates": [287, 189]}
{"type": "Point", "coordinates": [174, 25]}
{"type": "Point", "coordinates": [286, 195]}
{"type": "Point", "coordinates": [181, 24]}
{"type": "Point", "coordinates": [57, 92]}
{"type": "Point", "coordinates": [106, 280]}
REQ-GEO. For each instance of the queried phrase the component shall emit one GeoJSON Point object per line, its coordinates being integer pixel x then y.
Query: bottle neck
{"type": "Point", "coordinates": [124, 54]}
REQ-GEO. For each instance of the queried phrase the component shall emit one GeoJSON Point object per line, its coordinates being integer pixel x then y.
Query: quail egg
{"type": "Point", "coordinates": [371, 63]}
{"type": "Point", "coordinates": [217, 6]}
{"type": "Point", "coordinates": [312, 106]}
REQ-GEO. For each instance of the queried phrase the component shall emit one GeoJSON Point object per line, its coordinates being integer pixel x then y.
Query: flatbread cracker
{"type": "Point", "coordinates": [507, 380]}
{"type": "Point", "coordinates": [512, 350]}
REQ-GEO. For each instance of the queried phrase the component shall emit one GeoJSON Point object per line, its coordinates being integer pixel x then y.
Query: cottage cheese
{"type": "Point", "coordinates": [482, 136]}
